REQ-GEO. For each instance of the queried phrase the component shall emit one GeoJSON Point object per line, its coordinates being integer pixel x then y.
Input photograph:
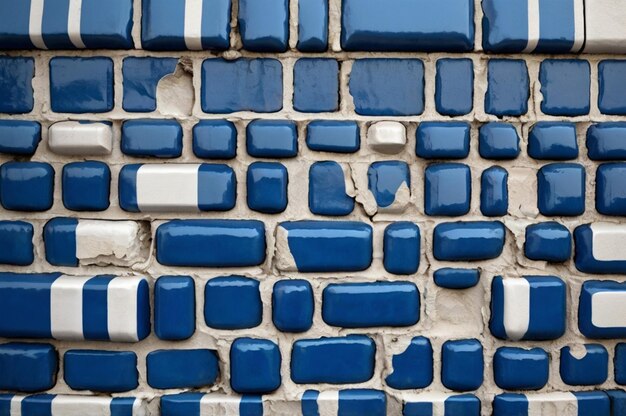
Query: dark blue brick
{"type": "Point", "coordinates": [412, 368]}
{"type": "Point", "coordinates": [312, 25]}
{"type": "Point", "coordinates": [272, 138]}
{"type": "Point", "coordinates": [179, 369]}
{"type": "Point", "coordinates": [441, 140]}
{"type": "Point", "coordinates": [607, 141]}
{"type": "Point", "coordinates": [565, 86]}
{"type": "Point", "coordinates": [589, 370]}
{"type": "Point", "coordinates": [333, 136]}
{"type": "Point", "coordinates": [385, 179]}
{"type": "Point", "coordinates": [494, 192]}
{"type": "Point", "coordinates": [232, 303]}
{"type": "Point", "coordinates": [174, 307]}
{"type": "Point", "coordinates": [401, 248]}
{"type": "Point", "coordinates": [447, 189]}
{"type": "Point", "coordinates": [16, 89]}
{"type": "Point", "coordinates": [254, 366]}
{"type": "Point", "coordinates": [612, 87]}
{"type": "Point", "coordinates": [152, 138]}
{"type": "Point", "coordinates": [215, 139]}
{"type": "Point", "coordinates": [468, 241]}
{"type": "Point", "coordinates": [86, 186]}
{"type": "Point", "coordinates": [553, 141]}
{"type": "Point", "coordinates": [548, 241]}
{"type": "Point", "coordinates": [561, 189]}
{"type": "Point", "coordinates": [316, 85]}
{"type": "Point", "coordinates": [620, 365]}
{"type": "Point", "coordinates": [462, 364]}
{"type": "Point", "coordinates": [292, 305]}
{"type": "Point", "coordinates": [16, 243]}
{"type": "Point", "coordinates": [327, 190]}
{"type": "Point", "coordinates": [100, 371]}
{"type": "Point", "coordinates": [498, 141]}
{"type": "Point", "coordinates": [19, 137]}
{"type": "Point", "coordinates": [387, 87]}
{"type": "Point", "coordinates": [508, 87]}
{"type": "Point", "coordinates": [454, 86]}
{"type": "Point", "coordinates": [141, 78]}
{"type": "Point", "coordinates": [264, 26]}
{"type": "Point", "coordinates": [59, 235]}
{"type": "Point", "coordinates": [451, 278]}
{"type": "Point", "coordinates": [26, 186]}
{"type": "Point", "coordinates": [521, 369]}
{"type": "Point", "coordinates": [611, 189]}
{"type": "Point", "coordinates": [27, 367]}
{"type": "Point", "coordinates": [267, 187]}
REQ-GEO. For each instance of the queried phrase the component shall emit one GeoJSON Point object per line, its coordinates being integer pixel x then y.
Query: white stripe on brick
{"type": "Point", "coordinates": [162, 187]}
{"type": "Point", "coordinates": [561, 404]}
{"type": "Point", "coordinates": [516, 307]}
{"type": "Point", "coordinates": [533, 26]}
{"type": "Point", "coordinates": [16, 406]}
{"type": "Point", "coordinates": [608, 309]}
{"type": "Point", "coordinates": [328, 403]}
{"type": "Point", "coordinates": [73, 23]}
{"type": "Point", "coordinates": [35, 24]}
{"type": "Point", "coordinates": [122, 308]}
{"type": "Point", "coordinates": [81, 405]}
{"type": "Point", "coordinates": [66, 307]}
{"type": "Point", "coordinates": [193, 24]}
{"type": "Point", "coordinates": [219, 405]}
{"type": "Point", "coordinates": [608, 241]}
{"type": "Point", "coordinates": [579, 26]}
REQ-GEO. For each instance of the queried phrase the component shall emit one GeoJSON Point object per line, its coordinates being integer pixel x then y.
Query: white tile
{"type": "Point", "coordinates": [108, 242]}
{"type": "Point", "coordinates": [165, 187]}
{"type": "Point", "coordinates": [80, 139]}
{"type": "Point", "coordinates": [388, 137]}
{"type": "Point", "coordinates": [606, 26]}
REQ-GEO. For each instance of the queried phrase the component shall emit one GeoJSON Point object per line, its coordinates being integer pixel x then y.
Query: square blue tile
{"type": "Point", "coordinates": [267, 187]}
{"type": "Point", "coordinates": [508, 87]}
{"type": "Point", "coordinates": [612, 87]}
{"type": "Point", "coordinates": [561, 189]}
{"type": "Point", "coordinates": [553, 140]}
{"type": "Point", "coordinates": [565, 85]}
{"type": "Point", "coordinates": [462, 364]}
{"type": "Point", "coordinates": [26, 186]}
{"type": "Point", "coordinates": [86, 186]}
{"type": "Point", "coordinates": [454, 86]}
{"type": "Point", "coordinates": [174, 307]}
{"type": "Point", "coordinates": [16, 89]}
{"type": "Point", "coordinates": [401, 248]}
{"type": "Point", "coordinates": [498, 141]}
{"type": "Point", "coordinates": [327, 190]}
{"type": "Point", "coordinates": [264, 25]}
{"type": "Point", "coordinates": [272, 138]}
{"type": "Point", "coordinates": [447, 189]}
{"type": "Point", "coordinates": [316, 85]}
{"type": "Point", "coordinates": [254, 366]}
{"type": "Point", "coordinates": [16, 243]}
{"type": "Point", "coordinates": [232, 302]}
{"type": "Point", "coordinates": [292, 305]}
{"type": "Point", "coordinates": [141, 79]}
{"type": "Point", "coordinates": [215, 139]}
{"type": "Point", "coordinates": [611, 189]}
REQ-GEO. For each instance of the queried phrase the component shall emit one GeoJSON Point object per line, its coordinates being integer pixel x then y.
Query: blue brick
{"type": "Point", "coordinates": [588, 370]}
{"type": "Point", "coordinates": [494, 192]}
{"type": "Point", "coordinates": [333, 136]}
{"type": "Point", "coordinates": [385, 180]}
{"type": "Point", "coordinates": [174, 307]}
{"type": "Point", "coordinates": [618, 401]}
{"type": "Point", "coordinates": [396, 25]}
{"type": "Point", "coordinates": [26, 186]}
{"type": "Point", "coordinates": [412, 368]}
{"type": "Point", "coordinates": [521, 369]}
{"type": "Point", "coordinates": [447, 189]}
{"type": "Point", "coordinates": [593, 321]}
{"type": "Point", "coordinates": [450, 405]}
{"type": "Point", "coordinates": [462, 364]}
{"type": "Point", "coordinates": [441, 140]}
{"type": "Point", "coordinates": [232, 303]}
{"type": "Point", "coordinates": [292, 305]}
{"type": "Point", "coordinates": [553, 141]}
{"type": "Point", "coordinates": [16, 243]}
{"type": "Point", "coordinates": [350, 402]}
{"type": "Point", "coordinates": [327, 190]}
{"type": "Point", "coordinates": [454, 86]}
{"type": "Point", "coordinates": [452, 278]}
{"type": "Point", "coordinates": [179, 369]}
{"type": "Point", "coordinates": [254, 366]}
{"type": "Point", "coordinates": [316, 85]}
{"type": "Point", "coordinates": [86, 186]}
{"type": "Point", "coordinates": [620, 364]}
{"type": "Point", "coordinates": [215, 139]}
{"type": "Point", "coordinates": [59, 235]}
{"type": "Point", "coordinates": [498, 141]}
{"type": "Point", "coordinates": [606, 141]}
{"type": "Point", "coordinates": [272, 138]}
{"type": "Point", "coordinates": [548, 241]}
{"type": "Point", "coordinates": [267, 187]}
{"type": "Point", "coordinates": [312, 25]}
{"type": "Point", "coordinates": [561, 189]}
{"type": "Point", "coordinates": [264, 26]}
{"type": "Point", "coordinates": [16, 89]}
{"type": "Point", "coordinates": [152, 138]}
{"type": "Point", "coordinates": [100, 371]}
{"type": "Point", "coordinates": [339, 360]}
{"type": "Point", "coordinates": [565, 86]}
{"type": "Point", "coordinates": [508, 87]}
{"type": "Point", "coordinates": [141, 78]}
{"type": "Point", "coordinates": [468, 241]}
{"type": "Point", "coordinates": [611, 189]}
{"type": "Point", "coordinates": [401, 248]}
{"type": "Point", "coordinates": [81, 85]}
{"type": "Point", "coordinates": [364, 305]}
{"type": "Point", "coordinates": [241, 85]}
{"type": "Point", "coordinates": [19, 137]}
{"type": "Point", "coordinates": [27, 367]}
{"type": "Point", "coordinates": [612, 87]}
{"type": "Point", "coordinates": [387, 87]}
{"type": "Point", "coordinates": [211, 243]}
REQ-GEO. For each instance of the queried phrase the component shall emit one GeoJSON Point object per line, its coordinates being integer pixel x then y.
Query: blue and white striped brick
{"type": "Point", "coordinates": [440, 404]}
{"type": "Point", "coordinates": [590, 403]}
{"type": "Point", "coordinates": [602, 309]}
{"type": "Point", "coordinates": [65, 405]}
{"type": "Point", "coordinates": [600, 248]}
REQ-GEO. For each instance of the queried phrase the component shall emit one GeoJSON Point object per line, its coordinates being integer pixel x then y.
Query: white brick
{"type": "Point", "coordinates": [80, 138]}
{"type": "Point", "coordinates": [387, 137]}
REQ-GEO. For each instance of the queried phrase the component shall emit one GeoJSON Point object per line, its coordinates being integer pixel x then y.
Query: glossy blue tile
{"type": "Point", "coordinates": [521, 369]}
{"type": "Point", "coordinates": [86, 186]}
{"type": "Point", "coordinates": [312, 25]}
{"type": "Point", "coordinates": [590, 369]}
{"type": "Point", "coordinates": [100, 371]}
{"type": "Point", "coordinates": [215, 139]}
{"type": "Point", "coordinates": [498, 141]}
{"type": "Point", "coordinates": [267, 187]}
{"type": "Point", "coordinates": [553, 141]}
{"type": "Point", "coordinates": [26, 186]}
{"type": "Point", "coordinates": [174, 307]}
{"type": "Point", "coordinates": [447, 189]}
{"type": "Point", "coordinates": [264, 26]}
{"type": "Point", "coordinates": [272, 138]}
{"type": "Point", "coordinates": [341, 360]}
{"type": "Point", "coordinates": [451, 278]}
{"type": "Point", "coordinates": [329, 246]}
{"type": "Point", "coordinates": [180, 369]}
{"type": "Point", "coordinates": [401, 248]}
{"type": "Point", "coordinates": [591, 249]}
{"type": "Point", "coordinates": [59, 235]}
{"type": "Point", "coordinates": [387, 87]}
{"type": "Point", "coordinates": [508, 87]}
{"type": "Point", "coordinates": [396, 25]}
{"type": "Point", "coordinates": [619, 363]}
{"type": "Point", "coordinates": [442, 140]}
{"type": "Point", "coordinates": [618, 401]}
{"type": "Point", "coordinates": [16, 243]}
{"type": "Point", "coordinates": [385, 179]}
{"type": "Point", "coordinates": [217, 187]}
{"type": "Point", "coordinates": [316, 85]}
{"type": "Point", "coordinates": [241, 85]}
{"type": "Point", "coordinates": [211, 243]}
{"type": "Point", "coordinates": [596, 305]}
{"type": "Point", "coordinates": [468, 241]}
{"type": "Point", "coordinates": [254, 366]}
{"type": "Point", "coordinates": [81, 85]}
{"type": "Point", "coordinates": [494, 192]}
{"type": "Point", "coordinates": [336, 136]}
{"type": "Point", "coordinates": [19, 137]}
{"type": "Point", "coordinates": [454, 86]}
{"type": "Point", "coordinates": [412, 368]}
{"type": "Point", "coordinates": [232, 302]}
{"type": "Point", "coordinates": [27, 367]}
{"type": "Point", "coordinates": [327, 190]}
{"type": "Point", "coordinates": [16, 89]}
{"type": "Point", "coordinates": [292, 305]}
{"type": "Point", "coordinates": [365, 305]}
{"type": "Point", "coordinates": [612, 87]}
{"type": "Point", "coordinates": [462, 364]}
{"type": "Point", "coordinates": [565, 86]}
{"type": "Point", "coordinates": [606, 141]}
{"type": "Point", "coordinates": [548, 241]}
{"type": "Point", "coordinates": [141, 78]}
{"type": "Point", "coordinates": [611, 189]}
{"type": "Point", "coordinates": [561, 189]}
{"type": "Point", "coordinates": [164, 28]}
{"type": "Point", "coordinates": [152, 138]}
